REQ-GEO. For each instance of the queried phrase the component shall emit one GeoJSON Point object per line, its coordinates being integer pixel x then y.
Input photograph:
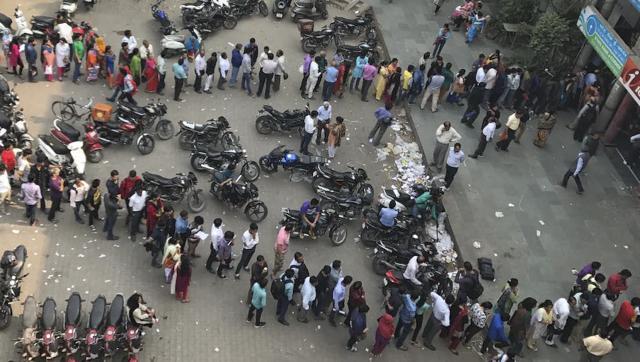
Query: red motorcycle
{"type": "Point", "coordinates": [66, 133]}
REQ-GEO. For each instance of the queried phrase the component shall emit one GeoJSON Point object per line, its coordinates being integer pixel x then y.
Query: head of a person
{"type": "Point", "coordinates": [217, 222]}
{"type": "Point", "coordinates": [625, 274]}
{"type": "Point", "coordinates": [596, 292]}
{"type": "Point", "coordinates": [394, 61]}
{"type": "Point", "coordinates": [347, 280]}
{"type": "Point", "coordinates": [326, 105]}
{"type": "Point", "coordinates": [449, 299]}
{"type": "Point", "coordinates": [184, 214]}
{"type": "Point", "coordinates": [198, 220]}
{"type": "Point", "coordinates": [252, 41]}
{"type": "Point", "coordinates": [260, 259]}
{"type": "Point", "coordinates": [55, 172]}
{"type": "Point", "coordinates": [30, 179]}
{"type": "Point", "coordinates": [600, 278]}
{"type": "Point", "coordinates": [289, 273]}
{"type": "Point", "coordinates": [313, 280]}
{"type": "Point", "coordinates": [357, 285]}
{"type": "Point", "coordinates": [202, 52]}
{"type": "Point", "coordinates": [266, 49]}
{"type": "Point", "coordinates": [336, 264]}
{"type": "Point", "coordinates": [314, 202]}
{"type": "Point", "coordinates": [426, 55]}
{"type": "Point", "coordinates": [486, 305]}
{"type": "Point", "coordinates": [448, 66]}
{"type": "Point", "coordinates": [314, 114]}
{"type": "Point", "coordinates": [123, 45]}
{"type": "Point", "coordinates": [326, 269]}
{"type": "Point", "coordinates": [339, 120]}
{"type": "Point", "coordinates": [270, 56]}
{"type": "Point", "coordinates": [95, 183]}
{"type": "Point", "coordinates": [421, 258]}
{"type": "Point", "coordinates": [263, 283]}
{"type": "Point", "coordinates": [173, 241]}
{"type": "Point", "coordinates": [132, 174]}
{"type": "Point", "coordinates": [467, 266]}
{"type": "Point", "coordinates": [127, 33]}
{"type": "Point", "coordinates": [138, 189]}
{"type": "Point", "coordinates": [399, 70]}
{"type": "Point", "coordinates": [457, 147]}
{"type": "Point", "coordinates": [122, 71]}
{"type": "Point", "coordinates": [584, 298]}
{"type": "Point", "coordinates": [446, 125]}
{"type": "Point", "coordinates": [572, 300]}
{"type": "Point", "coordinates": [528, 303]}
{"type": "Point", "coordinates": [279, 53]}
{"type": "Point", "coordinates": [547, 305]}
{"type": "Point", "coordinates": [446, 26]}
{"type": "Point", "coordinates": [392, 204]}
{"type": "Point", "coordinates": [223, 55]}
{"type": "Point", "coordinates": [229, 235]}
{"type": "Point", "coordinates": [298, 257]}
{"type": "Point", "coordinates": [253, 228]}
{"type": "Point", "coordinates": [288, 228]}
{"type": "Point", "coordinates": [513, 283]}
{"type": "Point", "coordinates": [75, 37]}
{"type": "Point", "coordinates": [635, 302]}
{"type": "Point", "coordinates": [238, 46]}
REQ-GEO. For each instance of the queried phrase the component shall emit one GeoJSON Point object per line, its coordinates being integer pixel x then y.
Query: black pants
{"type": "Point", "coordinates": [504, 144]}
{"type": "Point", "coordinates": [134, 225]}
{"type": "Point", "coordinates": [76, 212]}
{"type": "Point", "coordinates": [471, 331]}
{"type": "Point", "coordinates": [596, 323]}
{"type": "Point", "coordinates": [380, 129]}
{"type": "Point", "coordinates": [281, 308]}
{"type": "Point", "coordinates": [31, 67]}
{"type": "Point", "coordinates": [322, 129]}
{"type": "Point", "coordinates": [161, 83]}
{"type": "Point", "coordinates": [570, 173]}
{"type": "Point", "coordinates": [327, 90]}
{"type": "Point", "coordinates": [93, 215]}
{"type": "Point", "coordinates": [482, 145]}
{"type": "Point", "coordinates": [352, 340]}
{"type": "Point", "coordinates": [416, 331]}
{"type": "Point", "coordinates": [552, 331]}
{"type": "Point", "coordinates": [304, 145]}
{"type": "Point", "coordinates": [197, 84]}
{"type": "Point", "coordinates": [43, 204]}
{"type": "Point", "coordinates": [449, 175]}
{"type": "Point", "coordinates": [128, 97]}
{"type": "Point", "coordinates": [264, 83]}
{"type": "Point", "coordinates": [258, 314]}
{"type": "Point", "coordinates": [365, 89]}
{"type": "Point", "coordinates": [31, 213]}
{"type": "Point", "coordinates": [178, 88]}
{"type": "Point", "coordinates": [109, 223]}
{"type": "Point", "coordinates": [303, 84]}
{"type": "Point", "coordinates": [438, 47]}
{"type": "Point", "coordinates": [55, 206]}
{"type": "Point", "coordinates": [430, 330]}
{"type": "Point", "coordinates": [276, 82]}
{"type": "Point", "coordinates": [617, 331]}
{"type": "Point", "coordinates": [224, 264]}
{"type": "Point", "coordinates": [213, 256]}
{"type": "Point", "coordinates": [221, 81]}
{"type": "Point", "coordinates": [247, 254]}
{"type": "Point", "coordinates": [320, 303]}
{"type": "Point", "coordinates": [401, 332]}
{"type": "Point", "coordinates": [568, 329]}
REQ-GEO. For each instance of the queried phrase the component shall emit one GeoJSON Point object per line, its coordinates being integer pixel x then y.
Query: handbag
{"type": "Point", "coordinates": [301, 69]}
{"type": "Point", "coordinates": [285, 75]}
{"type": "Point", "coordinates": [503, 135]}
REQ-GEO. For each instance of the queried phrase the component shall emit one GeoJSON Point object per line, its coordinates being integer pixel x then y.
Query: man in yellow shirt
{"type": "Point", "coordinates": [407, 76]}
{"type": "Point", "coordinates": [513, 123]}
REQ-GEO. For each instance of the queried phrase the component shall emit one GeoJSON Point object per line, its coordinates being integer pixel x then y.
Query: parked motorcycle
{"type": "Point", "coordinates": [166, 26]}
{"type": "Point", "coordinates": [88, 4]}
{"type": "Point", "coordinates": [205, 158]}
{"type": "Point", "coordinates": [147, 117]}
{"type": "Point", "coordinates": [66, 133]}
{"type": "Point", "coordinates": [210, 20]}
{"type": "Point", "coordinates": [362, 24]}
{"type": "Point", "coordinates": [175, 189]}
{"type": "Point", "coordinates": [346, 204]}
{"type": "Point", "coordinates": [389, 256]}
{"type": "Point", "coordinates": [304, 9]}
{"type": "Point", "coordinates": [29, 345]}
{"type": "Point", "coordinates": [70, 158]}
{"type": "Point", "coordinates": [96, 323]}
{"type": "Point", "coordinates": [42, 26]}
{"type": "Point", "coordinates": [13, 129]}
{"type": "Point", "coordinates": [353, 180]}
{"type": "Point", "coordinates": [48, 323]}
{"type": "Point", "coordinates": [19, 257]}
{"type": "Point", "coordinates": [123, 131]}
{"type": "Point", "coordinates": [22, 25]}
{"type": "Point", "coordinates": [210, 132]}
{"type": "Point", "coordinates": [237, 193]}
{"type": "Point", "coordinates": [270, 120]}
{"type": "Point", "coordinates": [351, 52]}
{"type": "Point", "coordinates": [202, 5]}
{"type": "Point", "coordinates": [329, 223]}
{"type": "Point", "coordinates": [72, 321]}
{"type": "Point", "coordinates": [249, 7]}
{"type": "Point", "coordinates": [173, 44]}
{"type": "Point", "coordinates": [9, 292]}
{"type": "Point", "coordinates": [290, 161]}
{"type": "Point", "coordinates": [114, 332]}
{"type": "Point", "coordinates": [279, 8]}
{"type": "Point", "coordinates": [372, 230]}
{"type": "Point", "coordinates": [319, 39]}
{"type": "Point", "coordinates": [434, 277]}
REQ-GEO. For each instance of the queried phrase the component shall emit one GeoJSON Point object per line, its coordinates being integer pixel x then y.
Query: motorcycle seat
{"type": "Point", "coordinates": [159, 179]}
{"type": "Point", "coordinates": [306, 159]}
{"type": "Point", "coordinates": [116, 309]}
{"type": "Point", "coordinates": [49, 314]}
{"type": "Point", "coordinates": [55, 145]}
{"type": "Point", "coordinates": [49, 20]}
{"type": "Point", "coordinates": [403, 198]}
{"type": "Point", "coordinates": [336, 174]}
{"type": "Point", "coordinates": [197, 3]}
{"type": "Point", "coordinates": [97, 312]}
{"type": "Point", "coordinates": [129, 107]}
{"type": "Point", "coordinates": [69, 130]}
{"type": "Point", "coordinates": [350, 21]}
{"type": "Point", "coordinates": [74, 305]}
{"type": "Point", "coordinates": [194, 126]}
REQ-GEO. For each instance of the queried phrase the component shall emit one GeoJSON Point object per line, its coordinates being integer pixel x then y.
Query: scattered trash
{"type": "Point", "coordinates": [15, 231]}
{"type": "Point", "coordinates": [216, 349]}
{"type": "Point", "coordinates": [476, 244]}
{"type": "Point", "coordinates": [541, 222]}
{"type": "Point", "coordinates": [499, 214]}
{"type": "Point", "coordinates": [538, 233]}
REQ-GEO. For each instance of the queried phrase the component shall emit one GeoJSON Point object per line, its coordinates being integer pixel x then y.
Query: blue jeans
{"type": "Point", "coordinates": [76, 71]}
{"type": "Point", "coordinates": [401, 333]}
{"type": "Point", "coordinates": [246, 82]}
{"type": "Point", "coordinates": [234, 75]}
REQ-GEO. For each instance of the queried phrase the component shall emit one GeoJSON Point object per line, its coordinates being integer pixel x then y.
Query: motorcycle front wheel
{"type": "Point", "coordinates": [267, 166]}
{"type": "Point", "coordinates": [197, 161]}
{"type": "Point", "coordinates": [263, 125]}
{"type": "Point", "coordinates": [264, 10]}
{"type": "Point", "coordinates": [165, 129]}
{"type": "Point", "coordinates": [5, 316]}
{"type": "Point", "coordinates": [372, 34]}
{"type": "Point", "coordinates": [145, 144]}
{"type": "Point", "coordinates": [368, 237]}
{"type": "Point", "coordinates": [230, 23]}
{"type": "Point", "coordinates": [379, 267]}
{"type": "Point", "coordinates": [195, 202]}
{"type": "Point", "coordinates": [229, 140]}
{"type": "Point", "coordinates": [256, 211]}
{"type": "Point", "coordinates": [95, 156]}
{"type": "Point", "coordinates": [250, 171]}
{"type": "Point", "coordinates": [186, 140]}
{"type": "Point", "coordinates": [308, 45]}
{"type": "Point", "coordinates": [338, 234]}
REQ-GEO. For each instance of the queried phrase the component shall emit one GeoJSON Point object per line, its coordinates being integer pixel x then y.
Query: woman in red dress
{"type": "Point", "coordinates": [154, 209]}
{"type": "Point", "coordinates": [151, 74]}
{"type": "Point", "coordinates": [183, 279]}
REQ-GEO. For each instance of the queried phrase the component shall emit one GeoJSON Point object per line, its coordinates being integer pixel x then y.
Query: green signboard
{"type": "Point", "coordinates": [604, 40]}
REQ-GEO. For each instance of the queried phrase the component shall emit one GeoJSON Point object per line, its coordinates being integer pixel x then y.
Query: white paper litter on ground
{"type": "Point", "coordinates": [499, 214]}
{"type": "Point", "coordinates": [541, 222]}
{"type": "Point", "coordinates": [538, 233]}
{"type": "Point", "coordinates": [476, 244]}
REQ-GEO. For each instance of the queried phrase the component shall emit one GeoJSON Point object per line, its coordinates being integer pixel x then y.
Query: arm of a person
{"type": "Point", "coordinates": [579, 166]}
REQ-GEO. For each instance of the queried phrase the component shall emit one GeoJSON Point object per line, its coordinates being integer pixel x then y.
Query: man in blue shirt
{"type": "Point", "coordinates": [383, 120]}
{"type": "Point", "coordinates": [388, 214]}
{"type": "Point", "coordinates": [236, 62]}
{"type": "Point", "coordinates": [179, 76]}
{"type": "Point", "coordinates": [182, 227]}
{"type": "Point", "coordinates": [309, 215]}
{"type": "Point", "coordinates": [407, 314]}
{"type": "Point", "coordinates": [330, 78]}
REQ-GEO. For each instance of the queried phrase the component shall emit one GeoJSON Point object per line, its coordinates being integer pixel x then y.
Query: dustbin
{"type": "Point", "coordinates": [305, 26]}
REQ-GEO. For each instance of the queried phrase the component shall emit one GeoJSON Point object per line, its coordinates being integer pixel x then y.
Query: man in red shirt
{"type": "Point", "coordinates": [126, 190]}
{"type": "Point", "coordinates": [9, 158]}
{"type": "Point", "coordinates": [621, 326]}
{"type": "Point", "coordinates": [617, 282]}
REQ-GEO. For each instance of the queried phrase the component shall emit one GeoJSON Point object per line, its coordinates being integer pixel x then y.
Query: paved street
{"type": "Point", "coordinates": [69, 257]}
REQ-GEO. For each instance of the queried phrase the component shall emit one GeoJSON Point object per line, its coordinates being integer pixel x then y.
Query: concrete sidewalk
{"type": "Point", "coordinates": [546, 230]}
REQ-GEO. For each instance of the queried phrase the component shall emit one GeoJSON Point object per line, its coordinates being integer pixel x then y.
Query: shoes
{"type": "Point", "coordinates": [453, 351]}
{"type": "Point", "coordinates": [550, 344]}
{"type": "Point", "coordinates": [431, 347]}
{"type": "Point", "coordinates": [211, 271]}
{"type": "Point", "coordinates": [246, 268]}
{"type": "Point", "coordinates": [207, 91]}
{"type": "Point", "coordinates": [55, 221]}
{"type": "Point", "coordinates": [579, 192]}
{"type": "Point", "coordinates": [403, 348]}
{"type": "Point", "coordinates": [283, 322]}
{"type": "Point", "coordinates": [353, 349]}
{"type": "Point", "coordinates": [178, 100]}
{"type": "Point", "coordinates": [260, 325]}
{"type": "Point", "coordinates": [237, 276]}
{"type": "Point", "coordinates": [473, 156]}
{"type": "Point", "coordinates": [370, 140]}
{"type": "Point", "coordinates": [222, 276]}
{"type": "Point", "coordinates": [114, 238]}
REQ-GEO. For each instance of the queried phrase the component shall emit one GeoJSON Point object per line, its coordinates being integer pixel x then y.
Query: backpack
{"type": "Point", "coordinates": [476, 290]}
{"type": "Point", "coordinates": [277, 287]}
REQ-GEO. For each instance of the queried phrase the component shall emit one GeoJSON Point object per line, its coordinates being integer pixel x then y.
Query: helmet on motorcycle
{"type": "Point", "coordinates": [290, 158]}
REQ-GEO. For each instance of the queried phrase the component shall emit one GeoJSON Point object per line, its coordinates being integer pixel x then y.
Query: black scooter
{"type": "Point", "coordinates": [279, 8]}
{"type": "Point", "coordinates": [304, 9]}
{"type": "Point", "coordinates": [271, 120]}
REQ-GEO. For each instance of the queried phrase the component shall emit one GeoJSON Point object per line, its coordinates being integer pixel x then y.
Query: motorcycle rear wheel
{"type": "Point", "coordinates": [308, 45]}
{"type": "Point", "coordinates": [264, 10]}
{"type": "Point", "coordinates": [230, 23]}
{"type": "Point", "coordinates": [5, 316]}
{"type": "Point", "coordinates": [378, 266]}
{"type": "Point", "coordinates": [368, 237]}
{"type": "Point", "coordinates": [145, 144]}
{"type": "Point", "coordinates": [256, 211]}
{"type": "Point", "coordinates": [165, 129]}
{"type": "Point", "coordinates": [250, 171]}
{"type": "Point", "coordinates": [263, 125]}
{"type": "Point", "coordinates": [338, 234]}
{"type": "Point", "coordinates": [95, 156]}
{"type": "Point", "coordinates": [196, 162]}
{"type": "Point", "coordinates": [195, 202]}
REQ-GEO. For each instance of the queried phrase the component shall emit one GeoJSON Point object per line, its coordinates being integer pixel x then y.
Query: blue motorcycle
{"type": "Point", "coordinates": [290, 161]}
{"type": "Point", "coordinates": [166, 26]}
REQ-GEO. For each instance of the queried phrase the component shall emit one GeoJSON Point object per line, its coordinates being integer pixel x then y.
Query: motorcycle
{"type": "Point", "coordinates": [279, 8]}
{"type": "Point", "coordinates": [204, 158]}
{"type": "Point", "coordinates": [202, 5]}
{"type": "Point", "coordinates": [42, 26]}
{"type": "Point", "coordinates": [352, 180]}
{"type": "Point", "coordinates": [372, 230]}
{"type": "Point", "coordinates": [329, 222]}
{"type": "Point", "coordinates": [70, 158]}
{"type": "Point", "coordinates": [210, 132]}
{"type": "Point", "coordinates": [389, 256]}
{"type": "Point", "coordinates": [304, 9]}
{"type": "Point", "coordinates": [48, 322]}
{"type": "Point", "coordinates": [147, 116]}
{"type": "Point", "coordinates": [19, 132]}
{"type": "Point", "coordinates": [88, 4]}
{"type": "Point", "coordinates": [72, 319]}
{"type": "Point", "coordinates": [351, 52]}
{"type": "Point", "coordinates": [166, 26]}
{"type": "Point", "coordinates": [347, 204]}
{"type": "Point", "coordinates": [123, 131]}
{"type": "Point", "coordinates": [22, 26]}
{"type": "Point", "coordinates": [9, 292]}
{"type": "Point", "coordinates": [68, 7]}
{"type": "Point", "coordinates": [96, 323]}
{"type": "Point", "coordinates": [209, 20]}
{"type": "Point", "coordinates": [66, 133]}
{"type": "Point", "coordinates": [115, 321]}
{"type": "Point", "coordinates": [19, 254]}
{"type": "Point", "coordinates": [270, 120]}
{"type": "Point", "coordinates": [290, 161]}
{"type": "Point", "coordinates": [362, 24]}
{"type": "Point", "coordinates": [175, 189]}
{"type": "Point", "coordinates": [434, 277]}
{"type": "Point", "coordinates": [29, 344]}
{"type": "Point", "coordinates": [319, 39]}
{"type": "Point", "coordinates": [236, 194]}
{"type": "Point", "coordinates": [249, 7]}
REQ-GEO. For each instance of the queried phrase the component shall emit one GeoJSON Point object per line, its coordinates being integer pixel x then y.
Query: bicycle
{"type": "Point", "coordinates": [70, 110]}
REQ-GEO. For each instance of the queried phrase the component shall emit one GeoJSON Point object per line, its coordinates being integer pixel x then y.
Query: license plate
{"type": "Point", "coordinates": [278, 15]}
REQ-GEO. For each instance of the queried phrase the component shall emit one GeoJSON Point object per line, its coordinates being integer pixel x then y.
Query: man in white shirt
{"type": "Point", "coordinates": [130, 40]}
{"type": "Point", "coordinates": [439, 318]}
{"type": "Point", "coordinates": [263, 56]}
{"type": "Point", "coordinates": [560, 312]}
{"type": "Point", "coordinates": [309, 129]}
{"type": "Point", "coordinates": [250, 239]}
{"type": "Point", "coordinates": [199, 68]}
{"type": "Point", "coordinates": [445, 134]}
{"type": "Point", "coordinates": [324, 118]}
{"type": "Point", "coordinates": [490, 82]}
{"type": "Point", "coordinates": [267, 70]}
{"type": "Point", "coordinates": [216, 234]}
{"type": "Point", "coordinates": [412, 268]}
{"type": "Point", "coordinates": [137, 203]}
{"type": "Point", "coordinates": [487, 135]}
{"type": "Point", "coordinates": [280, 71]}
{"type": "Point", "coordinates": [161, 65]}
{"type": "Point", "coordinates": [455, 158]}
{"type": "Point", "coordinates": [314, 74]}
{"type": "Point", "coordinates": [480, 75]}
{"type": "Point", "coordinates": [339, 293]}
{"type": "Point", "coordinates": [76, 198]}
{"type": "Point", "coordinates": [223, 65]}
